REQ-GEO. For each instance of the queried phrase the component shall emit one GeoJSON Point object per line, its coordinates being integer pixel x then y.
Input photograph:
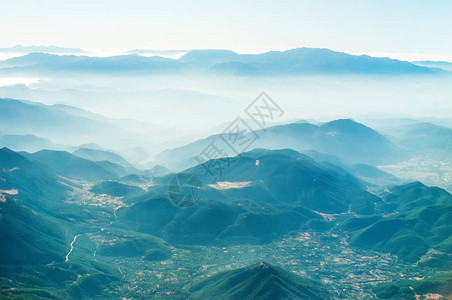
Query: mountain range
{"type": "Point", "coordinates": [74, 167]}
{"type": "Point", "coordinates": [26, 142]}
{"type": "Point", "coordinates": [45, 49]}
{"type": "Point", "coordinates": [20, 117]}
{"type": "Point", "coordinates": [32, 126]}
{"type": "Point", "coordinates": [445, 65]}
{"type": "Point", "coordinates": [274, 63]}
{"type": "Point", "coordinates": [102, 155]}
{"type": "Point", "coordinates": [297, 61]}
{"type": "Point", "coordinates": [344, 138]}
{"type": "Point", "coordinates": [261, 195]}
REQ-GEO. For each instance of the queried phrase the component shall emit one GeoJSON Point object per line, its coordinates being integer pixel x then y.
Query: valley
{"type": "Point", "coordinates": [430, 171]}
{"type": "Point", "coordinates": [350, 272]}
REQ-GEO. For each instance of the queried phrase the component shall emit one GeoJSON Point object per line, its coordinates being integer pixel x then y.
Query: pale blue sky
{"type": "Point", "coordinates": [397, 28]}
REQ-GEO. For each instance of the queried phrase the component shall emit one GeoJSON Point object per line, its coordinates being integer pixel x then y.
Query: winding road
{"type": "Point", "coordinates": [72, 248]}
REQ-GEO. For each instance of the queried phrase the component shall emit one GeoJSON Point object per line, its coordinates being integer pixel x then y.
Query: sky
{"type": "Point", "coordinates": [411, 29]}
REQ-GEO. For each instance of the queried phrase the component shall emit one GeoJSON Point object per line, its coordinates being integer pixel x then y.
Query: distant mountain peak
{"type": "Point", "coordinates": [49, 49]}
{"type": "Point", "coordinates": [344, 122]}
{"type": "Point", "coordinates": [209, 52]}
{"type": "Point", "coordinates": [261, 266]}
{"type": "Point", "coordinates": [10, 157]}
{"type": "Point", "coordinates": [348, 124]}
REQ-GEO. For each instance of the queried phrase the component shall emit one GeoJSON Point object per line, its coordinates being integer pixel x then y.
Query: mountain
{"type": "Point", "coordinates": [413, 214]}
{"type": "Point", "coordinates": [68, 125]}
{"type": "Point", "coordinates": [51, 122]}
{"type": "Point", "coordinates": [35, 184]}
{"type": "Point", "coordinates": [35, 264]}
{"type": "Point", "coordinates": [32, 237]}
{"type": "Point", "coordinates": [408, 197]}
{"type": "Point", "coordinates": [115, 189]}
{"type": "Point", "coordinates": [208, 58]}
{"type": "Point", "coordinates": [101, 155]}
{"type": "Point", "coordinates": [424, 139]}
{"type": "Point", "coordinates": [27, 142]}
{"type": "Point", "coordinates": [27, 191]}
{"type": "Point", "coordinates": [372, 176]}
{"type": "Point", "coordinates": [258, 281]}
{"type": "Point", "coordinates": [216, 222]}
{"type": "Point", "coordinates": [45, 49]}
{"type": "Point", "coordinates": [152, 52]}
{"type": "Point", "coordinates": [286, 176]}
{"type": "Point", "coordinates": [299, 61]}
{"type": "Point", "coordinates": [40, 229]}
{"type": "Point", "coordinates": [74, 167]}
{"type": "Point", "coordinates": [42, 63]}
{"type": "Point", "coordinates": [136, 245]}
{"type": "Point", "coordinates": [345, 138]}
{"type": "Point", "coordinates": [445, 65]}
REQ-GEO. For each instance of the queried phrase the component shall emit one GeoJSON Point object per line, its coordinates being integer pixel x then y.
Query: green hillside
{"type": "Point", "coordinates": [72, 166]}
{"type": "Point", "coordinates": [420, 216]}
{"type": "Point", "coordinates": [259, 281]}
{"type": "Point", "coordinates": [116, 189]}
